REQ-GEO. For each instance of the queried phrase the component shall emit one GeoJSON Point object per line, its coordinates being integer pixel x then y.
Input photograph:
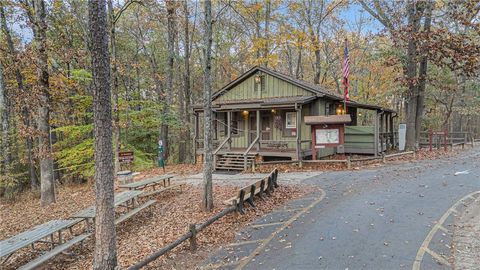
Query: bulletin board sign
{"type": "Point", "coordinates": [327, 136]}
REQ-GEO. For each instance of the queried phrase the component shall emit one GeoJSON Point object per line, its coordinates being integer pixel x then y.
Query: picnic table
{"type": "Point", "coordinates": [125, 198]}
{"type": "Point", "coordinates": [50, 229]}
{"type": "Point", "coordinates": [38, 235]}
{"type": "Point", "coordinates": [164, 180]}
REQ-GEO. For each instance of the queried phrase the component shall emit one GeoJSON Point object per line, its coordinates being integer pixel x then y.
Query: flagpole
{"type": "Point", "coordinates": [345, 86]}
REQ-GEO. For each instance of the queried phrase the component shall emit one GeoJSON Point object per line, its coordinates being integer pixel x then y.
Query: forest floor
{"type": "Point", "coordinates": [142, 235]}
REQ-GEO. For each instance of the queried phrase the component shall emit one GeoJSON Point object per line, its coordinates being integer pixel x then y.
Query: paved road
{"type": "Point", "coordinates": [384, 218]}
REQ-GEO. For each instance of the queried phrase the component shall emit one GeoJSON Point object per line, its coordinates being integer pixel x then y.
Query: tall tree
{"type": "Point", "coordinates": [405, 36]}
{"type": "Point", "coordinates": [105, 255]}
{"type": "Point", "coordinates": [5, 124]}
{"type": "Point", "coordinates": [167, 98]}
{"type": "Point", "coordinates": [47, 181]}
{"type": "Point", "coordinates": [207, 200]}
{"type": "Point", "coordinates": [185, 94]}
{"type": "Point", "coordinates": [21, 90]}
{"type": "Point", "coordinates": [113, 51]}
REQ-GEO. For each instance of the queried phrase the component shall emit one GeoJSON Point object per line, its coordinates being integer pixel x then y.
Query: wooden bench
{"type": "Point", "coordinates": [278, 145]}
{"type": "Point", "coordinates": [133, 212]}
{"type": "Point", "coordinates": [164, 180]}
{"type": "Point", "coordinates": [247, 193]}
{"type": "Point", "coordinates": [53, 252]}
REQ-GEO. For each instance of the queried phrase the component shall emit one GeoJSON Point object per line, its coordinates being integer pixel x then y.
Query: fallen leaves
{"type": "Point", "coordinates": [147, 232]}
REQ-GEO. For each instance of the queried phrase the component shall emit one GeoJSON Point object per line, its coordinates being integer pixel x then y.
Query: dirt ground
{"type": "Point", "coordinates": [141, 235]}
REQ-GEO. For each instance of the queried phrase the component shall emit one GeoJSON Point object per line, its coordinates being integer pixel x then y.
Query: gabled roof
{"type": "Point", "coordinates": [314, 88]}
{"type": "Point", "coordinates": [318, 90]}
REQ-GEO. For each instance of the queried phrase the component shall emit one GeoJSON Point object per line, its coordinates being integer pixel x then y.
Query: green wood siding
{"type": "Point", "coordinates": [274, 87]}
{"type": "Point", "coordinates": [359, 137]}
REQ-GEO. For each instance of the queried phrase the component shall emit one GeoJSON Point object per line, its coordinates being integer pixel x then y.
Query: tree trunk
{"type": "Point", "coordinates": [47, 182]}
{"type": "Point", "coordinates": [25, 115]}
{"type": "Point", "coordinates": [411, 76]}
{"type": "Point", "coordinates": [167, 99]}
{"type": "Point", "coordinates": [5, 124]}
{"type": "Point", "coordinates": [185, 95]}
{"type": "Point", "coordinates": [105, 255]}
{"type": "Point", "coordinates": [116, 115]}
{"type": "Point", "coordinates": [207, 200]}
{"type": "Point", "coordinates": [423, 74]}
{"type": "Point", "coordinates": [299, 69]}
{"type": "Point", "coordinates": [267, 29]}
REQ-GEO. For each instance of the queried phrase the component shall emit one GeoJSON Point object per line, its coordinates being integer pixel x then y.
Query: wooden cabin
{"type": "Point", "coordinates": [266, 115]}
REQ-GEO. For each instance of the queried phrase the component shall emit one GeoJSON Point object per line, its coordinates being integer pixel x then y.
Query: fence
{"type": "Point", "coordinates": [194, 229]}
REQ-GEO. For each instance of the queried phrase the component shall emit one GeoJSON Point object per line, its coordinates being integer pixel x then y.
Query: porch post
{"type": "Point", "coordinates": [299, 131]}
{"type": "Point", "coordinates": [392, 131]}
{"type": "Point", "coordinates": [229, 129]}
{"type": "Point", "coordinates": [258, 130]}
{"type": "Point", "coordinates": [375, 137]}
{"type": "Point", "coordinates": [381, 133]}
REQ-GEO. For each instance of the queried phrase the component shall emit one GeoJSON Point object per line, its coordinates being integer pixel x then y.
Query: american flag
{"type": "Point", "coordinates": [346, 71]}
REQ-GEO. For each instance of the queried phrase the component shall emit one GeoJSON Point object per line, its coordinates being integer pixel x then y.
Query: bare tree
{"type": "Point", "coordinates": [207, 200]}
{"type": "Point", "coordinates": [47, 181]}
{"type": "Point", "coordinates": [105, 255]}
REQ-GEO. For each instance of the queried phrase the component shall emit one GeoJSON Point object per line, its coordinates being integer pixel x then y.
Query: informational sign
{"type": "Point", "coordinates": [125, 157]}
{"type": "Point", "coordinates": [327, 136]}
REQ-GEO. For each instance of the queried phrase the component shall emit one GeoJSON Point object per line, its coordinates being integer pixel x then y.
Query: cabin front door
{"type": "Point", "coordinates": [266, 130]}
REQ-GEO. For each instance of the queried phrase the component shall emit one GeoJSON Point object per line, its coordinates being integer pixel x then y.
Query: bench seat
{"type": "Point", "coordinates": [133, 212]}
{"type": "Point", "coordinates": [153, 192]}
{"type": "Point", "coordinates": [52, 253]}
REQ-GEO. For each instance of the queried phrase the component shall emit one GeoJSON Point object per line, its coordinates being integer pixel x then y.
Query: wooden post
{"type": "Point", "coordinates": [229, 129]}
{"type": "Point", "coordinates": [349, 162]}
{"type": "Point", "coordinates": [430, 139]}
{"type": "Point", "coordinates": [314, 150]}
{"type": "Point", "coordinates": [195, 136]}
{"type": "Point", "coordinates": [381, 132]}
{"type": "Point", "coordinates": [193, 239]}
{"type": "Point", "coordinates": [376, 135]}
{"type": "Point", "coordinates": [258, 130]}
{"type": "Point", "coordinates": [298, 135]}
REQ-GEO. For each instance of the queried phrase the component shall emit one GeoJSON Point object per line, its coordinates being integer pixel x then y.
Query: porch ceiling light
{"type": "Point", "coordinates": [274, 111]}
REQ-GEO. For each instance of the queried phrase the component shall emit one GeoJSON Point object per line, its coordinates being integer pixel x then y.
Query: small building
{"type": "Point", "coordinates": [266, 115]}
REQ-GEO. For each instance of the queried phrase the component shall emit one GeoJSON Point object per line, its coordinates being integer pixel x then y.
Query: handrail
{"type": "Point", "coordinates": [251, 146]}
{"type": "Point", "coordinates": [222, 144]}
{"type": "Point", "coordinates": [248, 150]}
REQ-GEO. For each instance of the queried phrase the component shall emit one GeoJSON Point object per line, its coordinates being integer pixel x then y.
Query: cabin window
{"type": "Point", "coordinates": [291, 120]}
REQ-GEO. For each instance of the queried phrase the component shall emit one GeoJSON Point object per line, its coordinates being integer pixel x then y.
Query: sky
{"type": "Point", "coordinates": [351, 15]}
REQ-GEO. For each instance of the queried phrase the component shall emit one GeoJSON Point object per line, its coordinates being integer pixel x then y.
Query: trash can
{"type": "Point", "coordinates": [124, 177]}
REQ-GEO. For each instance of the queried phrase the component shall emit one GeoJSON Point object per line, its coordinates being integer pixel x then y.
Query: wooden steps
{"type": "Point", "coordinates": [233, 161]}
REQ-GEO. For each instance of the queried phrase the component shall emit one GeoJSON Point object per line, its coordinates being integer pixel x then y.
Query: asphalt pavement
{"type": "Point", "coordinates": [391, 217]}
